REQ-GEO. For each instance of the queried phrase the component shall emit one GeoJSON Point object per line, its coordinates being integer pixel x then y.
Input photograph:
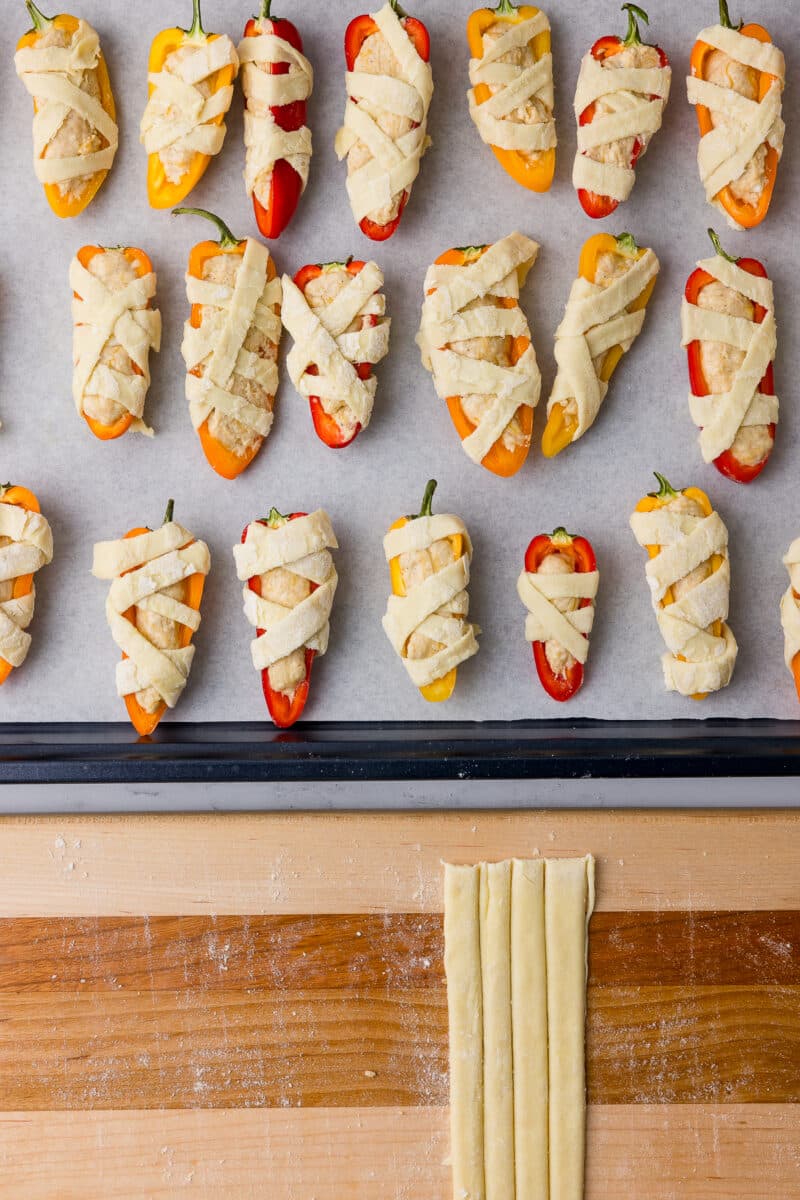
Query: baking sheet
{"type": "Point", "coordinates": [93, 491]}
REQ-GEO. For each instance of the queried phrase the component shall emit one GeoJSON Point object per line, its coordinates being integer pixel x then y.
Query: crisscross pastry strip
{"type": "Point", "coordinates": [697, 661]}
{"type": "Point", "coordinates": [515, 86]}
{"type": "Point", "coordinates": [725, 151]}
{"type": "Point", "coordinates": [394, 164]}
{"type": "Point", "coordinates": [104, 316]}
{"type": "Point", "coordinates": [265, 141]}
{"type": "Point", "coordinates": [301, 546]}
{"type": "Point", "coordinates": [141, 568]}
{"type": "Point", "coordinates": [321, 339]}
{"type": "Point", "coordinates": [30, 547]}
{"type": "Point", "coordinates": [790, 605]}
{"type": "Point", "coordinates": [638, 96]}
{"type": "Point", "coordinates": [52, 76]}
{"type": "Point", "coordinates": [453, 311]}
{"type": "Point", "coordinates": [178, 116]}
{"type": "Point", "coordinates": [218, 343]}
{"type": "Point", "coordinates": [437, 608]}
{"type": "Point", "coordinates": [721, 415]}
{"type": "Point", "coordinates": [545, 622]}
{"type": "Point", "coordinates": [595, 319]}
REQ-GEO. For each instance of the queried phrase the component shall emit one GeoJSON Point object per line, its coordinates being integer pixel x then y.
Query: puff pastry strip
{"type": "Point", "coordinates": [106, 317]}
{"type": "Point", "coordinates": [301, 546]}
{"type": "Point", "coordinates": [790, 608]}
{"type": "Point", "coordinates": [452, 311]}
{"type": "Point", "coordinates": [395, 162]}
{"type": "Point", "coordinates": [515, 87]}
{"type": "Point", "coordinates": [725, 150]}
{"type": "Point", "coordinates": [30, 547]}
{"type": "Point", "coordinates": [721, 416]}
{"type": "Point", "coordinates": [545, 622]}
{"type": "Point", "coordinates": [141, 568]}
{"type": "Point", "coordinates": [265, 141]}
{"type": "Point", "coordinates": [52, 76]}
{"type": "Point", "coordinates": [321, 339]}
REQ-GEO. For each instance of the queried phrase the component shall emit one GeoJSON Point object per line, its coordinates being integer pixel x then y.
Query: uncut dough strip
{"type": "Point", "coordinates": [26, 545]}
{"type": "Point", "coordinates": [529, 1029]}
{"type": "Point", "coordinates": [514, 88]}
{"type": "Point", "coordinates": [568, 905]}
{"type": "Point", "coordinates": [498, 1071]}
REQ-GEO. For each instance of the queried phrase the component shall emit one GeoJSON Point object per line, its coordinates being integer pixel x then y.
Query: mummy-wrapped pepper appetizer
{"type": "Point", "coordinates": [729, 332]}
{"type": "Point", "coordinates": [114, 329]}
{"type": "Point", "coordinates": [790, 613]}
{"type": "Point", "coordinates": [558, 587]}
{"type": "Point", "coordinates": [736, 85]}
{"type": "Point", "coordinates": [689, 576]}
{"type": "Point", "coordinates": [26, 544]}
{"type": "Point", "coordinates": [75, 134]}
{"type": "Point", "coordinates": [604, 315]}
{"type": "Point", "coordinates": [426, 617]}
{"type": "Point", "coordinates": [277, 80]}
{"type": "Point", "coordinates": [511, 99]}
{"type": "Point", "coordinates": [336, 314]}
{"type": "Point", "coordinates": [623, 87]}
{"type": "Point", "coordinates": [384, 135]}
{"type": "Point", "coordinates": [230, 346]}
{"type": "Point", "coordinates": [475, 341]}
{"type": "Point", "coordinates": [153, 610]}
{"type": "Point", "coordinates": [190, 77]}
{"type": "Point", "coordinates": [289, 584]}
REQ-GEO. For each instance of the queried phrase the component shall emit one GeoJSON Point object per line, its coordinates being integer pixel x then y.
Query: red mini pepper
{"type": "Point", "coordinates": [581, 555]}
{"type": "Point", "coordinates": [326, 426]}
{"type": "Point", "coordinates": [605, 47]}
{"type": "Point", "coordinates": [286, 186]}
{"type": "Point", "coordinates": [357, 32]}
{"type": "Point", "coordinates": [727, 463]}
{"type": "Point", "coordinates": [283, 709]}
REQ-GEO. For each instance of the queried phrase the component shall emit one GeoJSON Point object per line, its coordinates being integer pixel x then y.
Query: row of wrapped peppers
{"type": "Point", "coordinates": [289, 582]}
{"type": "Point", "coordinates": [736, 82]}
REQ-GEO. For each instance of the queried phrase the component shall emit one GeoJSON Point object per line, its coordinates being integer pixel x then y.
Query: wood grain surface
{"type": "Point", "coordinates": [269, 1003]}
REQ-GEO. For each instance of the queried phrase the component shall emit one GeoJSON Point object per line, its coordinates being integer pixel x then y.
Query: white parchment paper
{"type": "Point", "coordinates": [91, 491]}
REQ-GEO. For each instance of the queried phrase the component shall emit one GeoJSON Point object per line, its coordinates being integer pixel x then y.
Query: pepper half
{"type": "Point", "coordinates": [746, 215]}
{"type": "Point", "coordinates": [500, 460]}
{"type": "Point", "coordinates": [357, 32]}
{"type": "Point", "coordinates": [727, 463]}
{"type": "Point", "coordinates": [326, 426]}
{"type": "Point", "coordinates": [606, 47]}
{"type": "Point", "coordinates": [581, 555]}
{"type": "Point", "coordinates": [144, 722]}
{"type": "Point", "coordinates": [537, 176]}
{"type": "Point", "coordinates": [561, 427]}
{"type": "Point", "coordinates": [70, 205]}
{"type": "Point", "coordinates": [224, 461]}
{"type": "Point", "coordinates": [162, 193]}
{"type": "Point", "coordinates": [283, 709]}
{"type": "Point", "coordinates": [653, 500]}
{"type": "Point", "coordinates": [23, 584]}
{"type": "Point", "coordinates": [286, 186]}
{"type": "Point", "coordinates": [440, 689]}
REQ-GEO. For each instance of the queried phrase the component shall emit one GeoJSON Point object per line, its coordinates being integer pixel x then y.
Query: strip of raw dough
{"type": "Point", "coordinates": [569, 901]}
{"type": "Point", "coordinates": [545, 622]}
{"type": "Point", "coordinates": [498, 1070]}
{"type": "Point", "coordinates": [529, 1029]}
{"type": "Point", "coordinates": [790, 605]}
{"type": "Point", "coordinates": [265, 141]}
{"type": "Point", "coordinates": [515, 87]}
{"type": "Point", "coordinates": [30, 547]}
{"type": "Point", "coordinates": [462, 963]}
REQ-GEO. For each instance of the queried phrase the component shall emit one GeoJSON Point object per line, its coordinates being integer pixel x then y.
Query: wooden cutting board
{"type": "Point", "coordinates": [254, 1006]}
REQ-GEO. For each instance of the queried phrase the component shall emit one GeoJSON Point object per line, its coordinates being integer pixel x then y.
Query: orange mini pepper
{"type": "Point", "coordinates": [161, 192]}
{"type": "Point", "coordinates": [23, 584]}
{"type": "Point", "coordinates": [746, 215]}
{"type": "Point", "coordinates": [561, 427]}
{"type": "Point", "coordinates": [534, 172]}
{"type": "Point", "coordinates": [70, 204]}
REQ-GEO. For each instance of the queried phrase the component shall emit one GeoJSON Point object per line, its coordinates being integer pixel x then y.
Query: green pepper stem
{"type": "Point", "coordinates": [665, 488]}
{"type": "Point", "coordinates": [401, 12]}
{"type": "Point", "coordinates": [470, 251]}
{"type": "Point", "coordinates": [506, 9]}
{"type": "Point", "coordinates": [715, 242]}
{"type": "Point", "coordinates": [226, 239]}
{"type": "Point", "coordinates": [40, 21]}
{"type": "Point", "coordinates": [266, 5]}
{"type": "Point", "coordinates": [725, 17]}
{"type": "Point", "coordinates": [633, 37]}
{"type": "Point", "coordinates": [196, 28]}
{"type": "Point", "coordinates": [274, 516]}
{"type": "Point", "coordinates": [560, 535]}
{"type": "Point", "coordinates": [170, 509]}
{"type": "Point", "coordinates": [627, 243]}
{"type": "Point", "coordinates": [427, 499]}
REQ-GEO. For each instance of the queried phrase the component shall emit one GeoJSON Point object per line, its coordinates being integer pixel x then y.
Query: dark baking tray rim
{"type": "Point", "coordinates": [384, 751]}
